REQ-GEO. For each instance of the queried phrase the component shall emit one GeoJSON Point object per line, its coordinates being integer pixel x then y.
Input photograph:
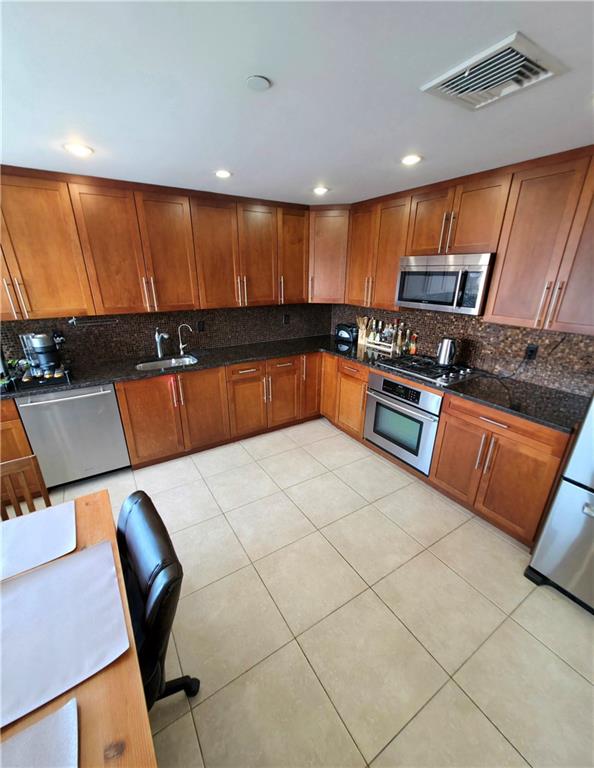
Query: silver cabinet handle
{"type": "Point", "coordinates": [269, 389]}
{"type": "Point", "coordinates": [490, 454]}
{"type": "Point", "coordinates": [443, 223]}
{"type": "Point", "coordinates": [588, 509]}
{"type": "Point", "coordinates": [65, 399]}
{"type": "Point", "coordinates": [400, 408]}
{"type": "Point", "coordinates": [363, 393]}
{"type": "Point", "coordinates": [283, 365]}
{"type": "Point", "coordinates": [542, 298]}
{"type": "Point", "coordinates": [10, 301]}
{"type": "Point", "coordinates": [558, 291]}
{"type": "Point", "coordinates": [248, 370]}
{"type": "Point", "coordinates": [265, 388]}
{"type": "Point", "coordinates": [173, 390]}
{"type": "Point", "coordinates": [22, 299]}
{"type": "Point", "coordinates": [365, 292]}
{"type": "Point", "coordinates": [239, 290]}
{"type": "Point", "coordinates": [452, 217]}
{"type": "Point", "coordinates": [304, 357]}
{"type": "Point", "coordinates": [282, 289]}
{"type": "Point", "coordinates": [348, 368]}
{"type": "Point", "coordinates": [480, 451]}
{"type": "Point", "coordinates": [146, 296]}
{"type": "Point", "coordinates": [311, 288]}
{"type": "Point", "coordinates": [491, 421]}
{"type": "Point", "coordinates": [152, 279]}
{"type": "Point", "coordinates": [369, 300]}
{"type": "Point", "coordinates": [181, 390]}
{"type": "Point", "coordinates": [245, 299]}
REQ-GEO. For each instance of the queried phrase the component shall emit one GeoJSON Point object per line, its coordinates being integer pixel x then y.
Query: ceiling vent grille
{"type": "Point", "coordinates": [505, 68]}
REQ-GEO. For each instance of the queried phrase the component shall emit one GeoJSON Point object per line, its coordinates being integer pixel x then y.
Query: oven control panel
{"type": "Point", "coordinates": [399, 390]}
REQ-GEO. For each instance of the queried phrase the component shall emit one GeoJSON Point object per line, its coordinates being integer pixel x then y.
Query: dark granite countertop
{"type": "Point", "coordinates": [551, 407]}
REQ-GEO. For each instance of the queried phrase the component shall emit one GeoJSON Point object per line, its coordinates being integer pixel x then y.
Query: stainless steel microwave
{"type": "Point", "coordinates": [447, 283]}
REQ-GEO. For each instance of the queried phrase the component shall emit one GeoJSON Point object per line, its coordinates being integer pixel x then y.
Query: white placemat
{"type": "Point", "coordinates": [61, 623]}
{"type": "Point", "coordinates": [53, 741]}
{"type": "Point", "coordinates": [36, 538]}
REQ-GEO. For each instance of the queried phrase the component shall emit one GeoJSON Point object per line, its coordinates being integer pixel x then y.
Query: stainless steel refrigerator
{"type": "Point", "coordinates": [564, 553]}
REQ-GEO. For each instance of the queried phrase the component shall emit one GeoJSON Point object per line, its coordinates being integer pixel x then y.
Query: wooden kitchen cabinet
{"type": "Point", "coordinates": [293, 246]}
{"type": "Point", "coordinates": [311, 379]}
{"type": "Point", "coordinates": [328, 240]}
{"type": "Point", "coordinates": [392, 227]}
{"type": "Point", "coordinates": [167, 244]}
{"type": "Point", "coordinates": [351, 392]}
{"type": "Point", "coordinates": [477, 215]}
{"type": "Point", "coordinates": [42, 250]}
{"type": "Point", "coordinates": [246, 392]}
{"type": "Point", "coordinates": [110, 239]}
{"type": "Point", "coordinates": [150, 410]}
{"type": "Point", "coordinates": [214, 224]}
{"type": "Point", "coordinates": [204, 408]}
{"type": "Point", "coordinates": [283, 391]}
{"type": "Point", "coordinates": [14, 443]}
{"type": "Point", "coordinates": [541, 207]}
{"type": "Point", "coordinates": [328, 387]}
{"type": "Point", "coordinates": [361, 256]}
{"type": "Point", "coordinates": [258, 249]}
{"type": "Point", "coordinates": [429, 215]}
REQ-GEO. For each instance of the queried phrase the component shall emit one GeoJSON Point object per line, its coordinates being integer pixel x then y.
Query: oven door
{"type": "Point", "coordinates": [406, 432]}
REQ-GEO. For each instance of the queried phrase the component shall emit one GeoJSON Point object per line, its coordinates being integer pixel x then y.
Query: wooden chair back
{"type": "Point", "coordinates": [14, 477]}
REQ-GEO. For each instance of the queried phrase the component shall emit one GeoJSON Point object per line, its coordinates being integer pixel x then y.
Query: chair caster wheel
{"type": "Point", "coordinates": [193, 687]}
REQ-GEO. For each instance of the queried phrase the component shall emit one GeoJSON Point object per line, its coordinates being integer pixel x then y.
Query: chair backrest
{"type": "Point", "coordinates": [153, 576]}
{"type": "Point", "coordinates": [22, 478]}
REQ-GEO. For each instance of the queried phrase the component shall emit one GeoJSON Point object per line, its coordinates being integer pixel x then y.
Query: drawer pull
{"type": "Point", "coordinates": [248, 370]}
{"type": "Point", "coordinates": [283, 365]}
{"type": "Point", "coordinates": [348, 368]}
{"type": "Point", "coordinates": [497, 423]}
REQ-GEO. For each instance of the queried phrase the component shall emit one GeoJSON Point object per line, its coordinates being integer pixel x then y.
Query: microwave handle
{"type": "Point", "coordinates": [462, 278]}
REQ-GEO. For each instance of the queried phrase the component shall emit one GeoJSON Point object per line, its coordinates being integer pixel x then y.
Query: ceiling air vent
{"type": "Point", "coordinates": [503, 69]}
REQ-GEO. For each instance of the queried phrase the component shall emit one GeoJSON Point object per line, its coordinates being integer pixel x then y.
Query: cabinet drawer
{"type": "Point", "coordinates": [280, 363]}
{"type": "Point", "coordinates": [246, 370]}
{"type": "Point", "coordinates": [8, 410]}
{"type": "Point", "coordinates": [353, 369]}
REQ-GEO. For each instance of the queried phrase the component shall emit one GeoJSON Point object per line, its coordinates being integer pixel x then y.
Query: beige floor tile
{"type": "Point", "coordinates": [325, 498]}
{"type": "Point", "coordinates": [310, 431]}
{"type": "Point", "coordinates": [186, 505]}
{"type": "Point", "coordinates": [220, 459]}
{"type": "Point", "coordinates": [450, 732]}
{"type": "Point", "coordinates": [292, 467]}
{"type": "Point", "coordinates": [537, 701]}
{"type": "Point", "coordinates": [268, 524]}
{"type": "Point", "coordinates": [488, 562]}
{"type": "Point", "coordinates": [373, 669]}
{"type": "Point", "coordinates": [275, 716]}
{"type": "Point", "coordinates": [373, 478]}
{"type": "Point", "coordinates": [207, 551]}
{"type": "Point", "coordinates": [120, 484]}
{"type": "Point", "coordinates": [177, 745]}
{"type": "Point", "coordinates": [240, 486]}
{"type": "Point", "coordinates": [371, 543]}
{"type": "Point", "coordinates": [166, 711]}
{"type": "Point", "coordinates": [226, 628]}
{"type": "Point", "coordinates": [337, 451]}
{"type": "Point", "coordinates": [308, 580]}
{"type": "Point", "coordinates": [448, 616]}
{"type": "Point", "coordinates": [562, 625]}
{"type": "Point", "coordinates": [169, 474]}
{"type": "Point", "coordinates": [423, 513]}
{"type": "Point", "coordinates": [56, 495]}
{"type": "Point", "coordinates": [268, 444]}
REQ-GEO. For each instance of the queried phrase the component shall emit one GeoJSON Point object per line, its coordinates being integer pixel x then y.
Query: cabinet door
{"type": "Point", "coordinates": [515, 486]}
{"type": "Point", "coordinates": [542, 203]}
{"type": "Point", "coordinates": [108, 228]}
{"type": "Point", "coordinates": [150, 410]}
{"type": "Point", "coordinates": [284, 390]}
{"type": "Point", "coordinates": [42, 248]}
{"type": "Point", "coordinates": [214, 224]}
{"type": "Point", "coordinates": [258, 246]}
{"type": "Point", "coordinates": [10, 309]}
{"type": "Point", "coordinates": [392, 225]}
{"type": "Point", "coordinates": [15, 445]}
{"type": "Point", "coordinates": [329, 386]}
{"type": "Point", "coordinates": [477, 217]}
{"type": "Point", "coordinates": [459, 457]}
{"type": "Point", "coordinates": [429, 216]}
{"type": "Point", "coordinates": [293, 228]}
{"type": "Point", "coordinates": [311, 379]}
{"type": "Point", "coordinates": [204, 408]}
{"type": "Point", "coordinates": [360, 267]}
{"type": "Point", "coordinates": [572, 307]}
{"type": "Point", "coordinates": [166, 233]}
{"type": "Point", "coordinates": [246, 392]}
{"type": "Point", "coordinates": [350, 405]}
{"type": "Point", "coordinates": [328, 239]}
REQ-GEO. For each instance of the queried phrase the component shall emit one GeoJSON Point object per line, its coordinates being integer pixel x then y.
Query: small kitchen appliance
{"type": "Point", "coordinates": [446, 351]}
{"type": "Point", "coordinates": [347, 333]}
{"type": "Point", "coordinates": [43, 358]}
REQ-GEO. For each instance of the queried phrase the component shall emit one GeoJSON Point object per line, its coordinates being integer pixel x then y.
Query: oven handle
{"type": "Point", "coordinates": [399, 407]}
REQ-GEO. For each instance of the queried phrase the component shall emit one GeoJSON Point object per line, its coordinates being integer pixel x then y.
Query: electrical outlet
{"type": "Point", "coordinates": [286, 319]}
{"type": "Point", "coordinates": [200, 325]}
{"type": "Point", "coordinates": [531, 351]}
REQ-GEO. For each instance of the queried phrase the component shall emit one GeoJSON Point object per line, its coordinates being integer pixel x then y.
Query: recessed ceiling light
{"type": "Point", "coordinates": [222, 174]}
{"type": "Point", "coordinates": [411, 159]}
{"type": "Point", "coordinates": [79, 150]}
{"type": "Point", "coordinates": [258, 83]}
{"type": "Point", "coordinates": [320, 190]}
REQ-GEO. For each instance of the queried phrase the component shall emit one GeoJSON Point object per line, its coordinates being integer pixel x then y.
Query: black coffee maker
{"type": "Point", "coordinates": [43, 356]}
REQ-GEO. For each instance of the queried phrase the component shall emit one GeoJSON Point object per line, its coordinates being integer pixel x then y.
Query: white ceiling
{"type": "Point", "coordinates": [158, 89]}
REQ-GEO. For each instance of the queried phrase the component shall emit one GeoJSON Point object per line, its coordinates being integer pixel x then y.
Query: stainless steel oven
{"type": "Point", "coordinates": [402, 419]}
{"type": "Point", "coordinates": [447, 283]}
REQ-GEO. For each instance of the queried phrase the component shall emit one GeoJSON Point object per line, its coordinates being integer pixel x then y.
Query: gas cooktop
{"type": "Point", "coordinates": [428, 369]}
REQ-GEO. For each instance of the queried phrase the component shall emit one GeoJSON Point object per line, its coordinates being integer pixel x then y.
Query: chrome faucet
{"type": "Point", "coordinates": [159, 337]}
{"type": "Point", "coordinates": [182, 346]}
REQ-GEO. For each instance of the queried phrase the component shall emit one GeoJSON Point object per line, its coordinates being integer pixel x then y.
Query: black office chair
{"type": "Point", "coordinates": [153, 577]}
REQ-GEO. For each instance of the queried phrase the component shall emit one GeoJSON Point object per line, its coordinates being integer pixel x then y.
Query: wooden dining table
{"type": "Point", "coordinates": [113, 723]}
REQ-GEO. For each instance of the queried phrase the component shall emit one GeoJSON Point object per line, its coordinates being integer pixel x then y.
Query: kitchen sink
{"type": "Point", "coordinates": [170, 362]}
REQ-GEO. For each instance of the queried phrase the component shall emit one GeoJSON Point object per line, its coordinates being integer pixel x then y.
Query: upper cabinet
{"type": "Point", "coordinates": [110, 239]}
{"type": "Point", "coordinates": [42, 250]}
{"type": "Point", "coordinates": [429, 213]}
{"type": "Point", "coordinates": [293, 225]}
{"type": "Point", "coordinates": [328, 239]}
{"type": "Point", "coordinates": [166, 233]}
{"type": "Point", "coordinates": [538, 219]}
{"type": "Point", "coordinates": [214, 223]}
{"type": "Point", "coordinates": [258, 246]}
{"type": "Point", "coordinates": [392, 226]}
{"type": "Point", "coordinates": [361, 256]}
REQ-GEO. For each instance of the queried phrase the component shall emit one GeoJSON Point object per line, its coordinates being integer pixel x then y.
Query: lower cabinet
{"type": "Point", "coordinates": [350, 397]}
{"type": "Point", "coordinates": [328, 386]}
{"type": "Point", "coordinates": [283, 391]}
{"type": "Point", "coordinates": [247, 393]}
{"type": "Point", "coordinates": [311, 370]}
{"type": "Point", "coordinates": [13, 439]}
{"type": "Point", "coordinates": [501, 465]}
{"type": "Point", "coordinates": [203, 407]}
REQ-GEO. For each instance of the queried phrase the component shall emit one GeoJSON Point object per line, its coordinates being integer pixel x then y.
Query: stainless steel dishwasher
{"type": "Point", "coordinates": [75, 434]}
